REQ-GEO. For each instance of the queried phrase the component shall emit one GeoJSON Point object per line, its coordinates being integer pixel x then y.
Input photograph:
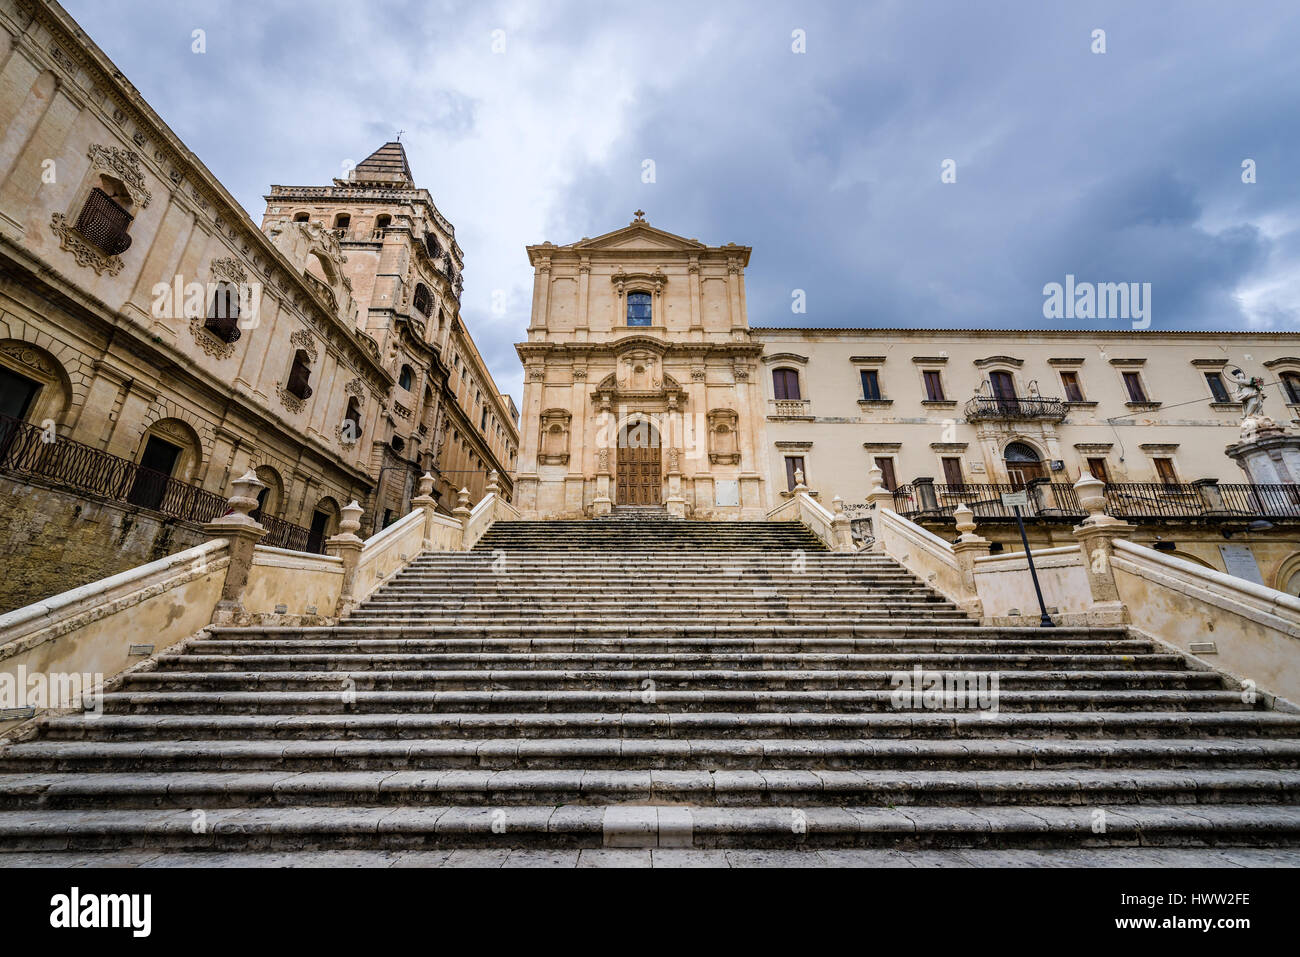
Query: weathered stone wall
{"type": "Point", "coordinates": [53, 540]}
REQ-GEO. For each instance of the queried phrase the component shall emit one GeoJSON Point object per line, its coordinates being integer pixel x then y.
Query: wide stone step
{"type": "Point", "coordinates": [159, 725]}
{"type": "Point", "coordinates": [986, 682]}
{"type": "Point", "coordinates": [203, 656]}
{"type": "Point", "coordinates": [648, 825]}
{"type": "Point", "coordinates": [597, 624]}
{"type": "Point", "coordinates": [353, 640]}
{"type": "Point", "coordinates": [346, 699]}
{"type": "Point", "coordinates": [328, 754]}
{"type": "Point", "coordinates": [200, 789]}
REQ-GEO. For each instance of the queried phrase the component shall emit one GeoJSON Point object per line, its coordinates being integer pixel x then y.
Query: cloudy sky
{"type": "Point", "coordinates": [1122, 166]}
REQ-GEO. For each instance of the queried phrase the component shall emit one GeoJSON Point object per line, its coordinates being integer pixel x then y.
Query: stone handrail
{"type": "Point", "coordinates": [90, 630]}
{"type": "Point", "coordinates": [491, 508]}
{"type": "Point", "coordinates": [833, 528]}
{"type": "Point", "coordinates": [388, 551]}
{"type": "Point", "coordinates": [1255, 629]}
{"type": "Point", "coordinates": [924, 554]}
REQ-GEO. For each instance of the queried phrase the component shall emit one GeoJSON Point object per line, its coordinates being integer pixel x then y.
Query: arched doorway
{"type": "Point", "coordinates": [640, 474]}
{"type": "Point", "coordinates": [1023, 464]}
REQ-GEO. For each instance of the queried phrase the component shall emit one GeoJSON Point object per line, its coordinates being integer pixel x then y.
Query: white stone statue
{"type": "Point", "coordinates": [1249, 392]}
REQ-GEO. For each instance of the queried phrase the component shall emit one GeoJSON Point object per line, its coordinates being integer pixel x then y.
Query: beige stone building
{"type": "Point", "coordinates": [961, 416]}
{"type": "Point", "coordinates": [155, 343]}
{"type": "Point", "coordinates": [641, 380]}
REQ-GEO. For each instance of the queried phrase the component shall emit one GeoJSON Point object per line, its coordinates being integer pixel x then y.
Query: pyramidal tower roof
{"type": "Point", "coordinates": [386, 165]}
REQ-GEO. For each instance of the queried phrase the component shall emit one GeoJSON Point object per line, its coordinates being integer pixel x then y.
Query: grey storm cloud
{"type": "Point", "coordinates": [1117, 167]}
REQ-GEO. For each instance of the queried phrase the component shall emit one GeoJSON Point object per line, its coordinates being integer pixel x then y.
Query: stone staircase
{"type": "Point", "coordinates": [654, 683]}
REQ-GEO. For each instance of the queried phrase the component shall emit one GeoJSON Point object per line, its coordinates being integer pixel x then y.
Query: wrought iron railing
{"type": "Point", "coordinates": [26, 449]}
{"type": "Point", "coordinates": [1133, 501]}
{"type": "Point", "coordinates": [994, 407]}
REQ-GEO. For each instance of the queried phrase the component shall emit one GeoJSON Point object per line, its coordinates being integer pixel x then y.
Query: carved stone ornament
{"type": "Point", "coordinates": [356, 388]}
{"type": "Point", "coordinates": [290, 401]}
{"type": "Point", "coordinates": [24, 355]}
{"type": "Point", "coordinates": [209, 343]}
{"type": "Point", "coordinates": [125, 165]}
{"type": "Point", "coordinates": [229, 269]}
{"type": "Point", "coordinates": [84, 252]}
{"type": "Point", "coordinates": [304, 341]}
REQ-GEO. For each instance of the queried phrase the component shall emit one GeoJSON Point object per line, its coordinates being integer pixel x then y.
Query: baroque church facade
{"type": "Point", "coordinates": [641, 380]}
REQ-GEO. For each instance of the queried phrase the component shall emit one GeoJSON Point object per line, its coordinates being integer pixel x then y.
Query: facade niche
{"type": "Point", "coordinates": [555, 437]}
{"type": "Point", "coordinates": [723, 447]}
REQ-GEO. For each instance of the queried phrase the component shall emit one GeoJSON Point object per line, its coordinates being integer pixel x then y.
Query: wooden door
{"type": "Point", "coordinates": [640, 481]}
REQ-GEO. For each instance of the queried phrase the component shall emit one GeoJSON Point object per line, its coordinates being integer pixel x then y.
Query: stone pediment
{"type": "Point", "coordinates": [641, 236]}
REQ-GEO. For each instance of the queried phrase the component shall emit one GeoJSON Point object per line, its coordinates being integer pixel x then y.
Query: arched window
{"type": "Point", "coordinates": [431, 246]}
{"type": "Point", "coordinates": [1023, 464]}
{"type": "Point", "coordinates": [407, 378]}
{"type": "Point", "coordinates": [299, 374]}
{"type": "Point", "coordinates": [105, 216]}
{"type": "Point", "coordinates": [785, 384]}
{"type": "Point", "coordinates": [383, 221]}
{"type": "Point", "coordinates": [223, 312]}
{"type": "Point", "coordinates": [300, 217]}
{"type": "Point", "coordinates": [422, 300]}
{"type": "Point", "coordinates": [342, 221]}
{"type": "Point", "coordinates": [639, 311]}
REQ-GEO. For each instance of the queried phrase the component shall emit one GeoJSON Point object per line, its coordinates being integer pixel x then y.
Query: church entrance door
{"type": "Point", "coordinates": [640, 474]}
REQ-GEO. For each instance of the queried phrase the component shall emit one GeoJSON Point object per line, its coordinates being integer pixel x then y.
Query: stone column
{"type": "Point", "coordinates": [601, 505]}
{"type": "Point", "coordinates": [347, 546]}
{"type": "Point", "coordinates": [1096, 535]}
{"type": "Point", "coordinates": [1037, 490]}
{"type": "Point", "coordinates": [1210, 493]}
{"type": "Point", "coordinates": [461, 513]}
{"type": "Point", "coordinates": [243, 532]}
{"type": "Point", "coordinates": [967, 548]}
{"type": "Point", "coordinates": [926, 498]}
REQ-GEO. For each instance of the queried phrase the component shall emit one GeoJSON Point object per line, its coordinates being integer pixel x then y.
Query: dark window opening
{"type": "Point", "coordinates": [1291, 382]}
{"type": "Point", "coordinates": [300, 217]}
{"type": "Point", "coordinates": [383, 221]}
{"type": "Point", "coordinates": [1073, 391]}
{"type": "Point", "coordinates": [870, 384]}
{"type": "Point", "coordinates": [785, 384]}
{"type": "Point", "coordinates": [316, 534]}
{"type": "Point", "coordinates": [1217, 389]}
{"type": "Point", "coordinates": [342, 221]}
{"type": "Point", "coordinates": [887, 477]}
{"type": "Point", "coordinates": [952, 473]}
{"type": "Point", "coordinates": [406, 378]}
{"type": "Point", "coordinates": [933, 385]}
{"type": "Point", "coordinates": [1165, 471]}
{"type": "Point", "coordinates": [1097, 468]}
{"type": "Point", "coordinates": [423, 301]}
{"type": "Point", "coordinates": [793, 463]}
{"type": "Point", "coordinates": [16, 393]}
{"type": "Point", "coordinates": [223, 312]}
{"type": "Point", "coordinates": [299, 375]}
{"type": "Point", "coordinates": [154, 472]}
{"type": "Point", "coordinates": [1133, 383]}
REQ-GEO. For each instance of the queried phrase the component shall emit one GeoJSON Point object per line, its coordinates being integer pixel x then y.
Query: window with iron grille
{"type": "Point", "coordinates": [105, 223]}
{"type": "Point", "coordinates": [422, 300]}
{"type": "Point", "coordinates": [299, 374]}
{"type": "Point", "coordinates": [223, 312]}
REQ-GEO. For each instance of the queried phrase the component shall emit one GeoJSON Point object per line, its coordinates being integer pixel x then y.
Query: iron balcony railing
{"type": "Point", "coordinates": [282, 534]}
{"type": "Point", "coordinates": [1127, 500]}
{"type": "Point", "coordinates": [993, 407]}
{"type": "Point", "coordinates": [26, 450]}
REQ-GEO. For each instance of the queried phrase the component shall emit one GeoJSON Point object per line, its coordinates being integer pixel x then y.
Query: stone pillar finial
{"type": "Point", "coordinates": [841, 527]}
{"type": "Point", "coordinates": [1096, 536]}
{"type": "Point", "coordinates": [798, 483]}
{"type": "Point", "coordinates": [424, 487]}
{"type": "Point", "coordinates": [493, 483]}
{"type": "Point", "coordinates": [347, 545]}
{"type": "Point", "coordinates": [877, 494]}
{"type": "Point", "coordinates": [242, 532]}
{"type": "Point", "coordinates": [967, 549]}
{"type": "Point", "coordinates": [462, 509]}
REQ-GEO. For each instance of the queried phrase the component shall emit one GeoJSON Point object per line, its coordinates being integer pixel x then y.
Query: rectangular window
{"type": "Point", "coordinates": [870, 384]}
{"type": "Point", "coordinates": [952, 471]}
{"type": "Point", "coordinates": [1133, 382]}
{"type": "Point", "coordinates": [933, 385]}
{"type": "Point", "coordinates": [1291, 382]}
{"type": "Point", "coordinates": [1165, 470]}
{"type": "Point", "coordinates": [1097, 468]}
{"type": "Point", "coordinates": [482, 422]}
{"type": "Point", "coordinates": [1217, 389]}
{"type": "Point", "coordinates": [1073, 391]}
{"type": "Point", "coordinates": [793, 462]}
{"type": "Point", "coordinates": [886, 465]}
{"type": "Point", "coordinates": [785, 384]}
{"type": "Point", "coordinates": [638, 309]}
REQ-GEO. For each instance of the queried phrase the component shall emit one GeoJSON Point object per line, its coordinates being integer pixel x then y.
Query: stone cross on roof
{"type": "Point", "coordinates": [640, 216]}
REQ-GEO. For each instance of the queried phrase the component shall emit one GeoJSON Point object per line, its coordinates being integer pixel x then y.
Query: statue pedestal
{"type": "Point", "coordinates": [1269, 455]}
